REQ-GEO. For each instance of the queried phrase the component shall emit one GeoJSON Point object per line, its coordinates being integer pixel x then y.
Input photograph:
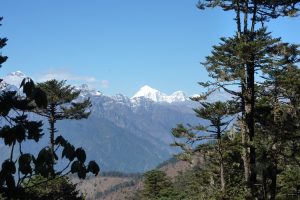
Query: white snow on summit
{"type": "Point", "coordinates": [17, 74]}
{"type": "Point", "coordinates": [146, 93]}
{"type": "Point", "coordinates": [14, 78]}
{"type": "Point", "coordinates": [150, 93]}
{"type": "Point", "coordinates": [157, 96]}
{"type": "Point", "coordinates": [178, 96]}
{"type": "Point", "coordinates": [86, 91]}
{"type": "Point", "coordinates": [216, 96]}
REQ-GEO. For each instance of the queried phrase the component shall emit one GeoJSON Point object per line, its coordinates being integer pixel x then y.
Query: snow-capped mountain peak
{"type": "Point", "coordinates": [147, 88]}
{"type": "Point", "coordinates": [157, 96]}
{"type": "Point", "coordinates": [145, 93]}
{"type": "Point", "coordinates": [17, 74]}
{"type": "Point", "coordinates": [13, 79]}
{"type": "Point", "coordinates": [149, 93]}
{"type": "Point", "coordinates": [86, 91]}
{"type": "Point", "coordinates": [178, 96]}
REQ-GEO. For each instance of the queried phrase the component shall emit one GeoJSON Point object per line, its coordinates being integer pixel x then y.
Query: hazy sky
{"type": "Point", "coordinates": [118, 46]}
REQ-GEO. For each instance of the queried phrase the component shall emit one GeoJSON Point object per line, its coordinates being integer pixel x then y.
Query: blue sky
{"type": "Point", "coordinates": [118, 46]}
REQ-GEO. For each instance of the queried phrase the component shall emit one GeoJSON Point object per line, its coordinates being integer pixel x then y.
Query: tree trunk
{"type": "Point", "coordinates": [273, 182]}
{"type": "Point", "coordinates": [264, 184]}
{"type": "Point", "coordinates": [221, 160]}
{"type": "Point", "coordinates": [222, 178]}
{"type": "Point", "coordinates": [248, 101]}
{"type": "Point", "coordinates": [246, 151]}
{"type": "Point", "coordinates": [52, 129]}
{"type": "Point", "coordinates": [245, 136]}
{"type": "Point", "coordinates": [244, 125]}
{"type": "Point", "coordinates": [249, 156]}
{"type": "Point", "coordinates": [249, 117]}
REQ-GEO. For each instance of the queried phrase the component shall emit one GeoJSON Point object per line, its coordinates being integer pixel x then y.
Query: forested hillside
{"type": "Point", "coordinates": [256, 157]}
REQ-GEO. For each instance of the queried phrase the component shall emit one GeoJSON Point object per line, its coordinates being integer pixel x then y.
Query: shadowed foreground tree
{"type": "Point", "coordinates": [38, 188]}
{"type": "Point", "coordinates": [2, 44]}
{"type": "Point", "coordinates": [16, 128]}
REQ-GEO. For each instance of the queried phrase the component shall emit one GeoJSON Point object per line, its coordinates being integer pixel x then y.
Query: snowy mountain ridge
{"type": "Point", "coordinates": [157, 96]}
{"type": "Point", "coordinates": [145, 93]}
{"type": "Point", "coordinates": [122, 133]}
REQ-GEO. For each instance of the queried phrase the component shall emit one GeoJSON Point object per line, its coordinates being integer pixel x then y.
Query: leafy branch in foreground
{"type": "Point", "coordinates": [16, 128]}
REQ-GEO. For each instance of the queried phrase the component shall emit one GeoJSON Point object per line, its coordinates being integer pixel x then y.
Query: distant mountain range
{"type": "Point", "coordinates": [123, 134]}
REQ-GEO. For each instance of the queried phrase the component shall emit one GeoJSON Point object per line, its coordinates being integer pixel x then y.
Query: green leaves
{"type": "Point", "coordinates": [19, 133]}
{"type": "Point", "coordinates": [75, 166]}
{"type": "Point", "coordinates": [80, 154]}
{"type": "Point", "coordinates": [2, 44]}
{"type": "Point", "coordinates": [6, 174]}
{"type": "Point", "coordinates": [12, 134]}
{"type": "Point", "coordinates": [16, 127]}
{"type": "Point", "coordinates": [68, 149]}
{"type": "Point", "coordinates": [179, 131]}
{"type": "Point", "coordinates": [10, 182]}
{"type": "Point", "coordinates": [79, 168]}
{"type": "Point", "coordinates": [81, 172]}
{"type": "Point", "coordinates": [28, 86]}
{"type": "Point", "coordinates": [157, 185]}
{"type": "Point", "coordinates": [21, 129]}
{"type": "Point", "coordinates": [34, 93]}
{"type": "Point", "coordinates": [61, 96]}
{"type": "Point", "coordinates": [93, 167]}
{"type": "Point", "coordinates": [6, 102]}
{"type": "Point", "coordinates": [45, 162]}
{"type": "Point", "coordinates": [40, 98]}
{"type": "Point", "coordinates": [9, 139]}
{"type": "Point", "coordinates": [68, 152]}
{"type": "Point", "coordinates": [60, 141]}
{"type": "Point", "coordinates": [25, 161]}
{"type": "Point", "coordinates": [34, 130]}
{"type": "Point", "coordinates": [8, 167]}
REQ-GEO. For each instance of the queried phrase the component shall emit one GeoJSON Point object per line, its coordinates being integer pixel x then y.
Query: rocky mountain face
{"type": "Point", "coordinates": [129, 134]}
{"type": "Point", "coordinates": [124, 134]}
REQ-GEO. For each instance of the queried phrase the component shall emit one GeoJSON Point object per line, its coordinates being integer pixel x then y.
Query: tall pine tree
{"type": "Point", "coordinates": [62, 104]}
{"type": "Point", "coordinates": [243, 62]}
{"type": "Point", "coordinates": [220, 115]}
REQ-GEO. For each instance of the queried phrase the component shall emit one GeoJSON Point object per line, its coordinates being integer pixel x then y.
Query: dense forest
{"type": "Point", "coordinates": [248, 149]}
{"type": "Point", "coordinates": [251, 148]}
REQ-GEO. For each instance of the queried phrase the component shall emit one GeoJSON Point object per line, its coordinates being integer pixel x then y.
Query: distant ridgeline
{"type": "Point", "coordinates": [124, 134]}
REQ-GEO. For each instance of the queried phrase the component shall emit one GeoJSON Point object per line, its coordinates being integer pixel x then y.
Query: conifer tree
{"type": "Point", "coordinates": [62, 104]}
{"type": "Point", "coordinates": [219, 114]}
{"type": "Point", "coordinates": [2, 44]}
{"type": "Point", "coordinates": [277, 118]}
{"type": "Point", "coordinates": [17, 128]}
{"type": "Point", "coordinates": [156, 185]}
{"type": "Point", "coordinates": [244, 63]}
{"type": "Point", "coordinates": [39, 188]}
